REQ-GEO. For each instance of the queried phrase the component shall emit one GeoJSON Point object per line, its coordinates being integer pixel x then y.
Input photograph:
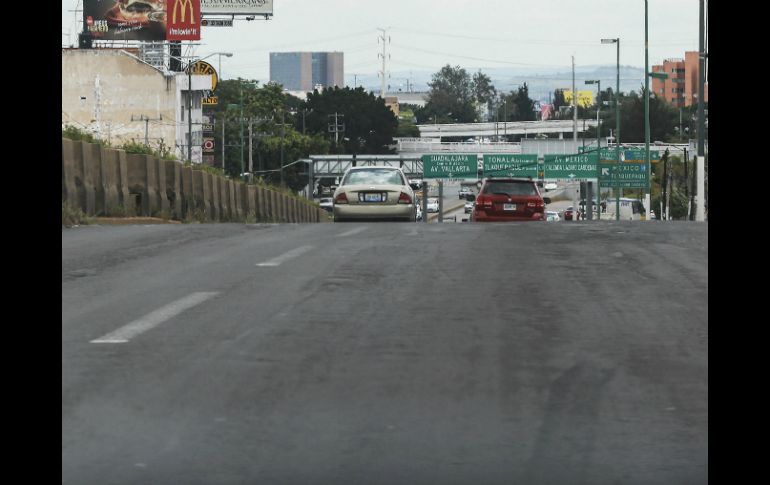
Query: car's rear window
{"type": "Point", "coordinates": [510, 188]}
{"type": "Point", "coordinates": [374, 177]}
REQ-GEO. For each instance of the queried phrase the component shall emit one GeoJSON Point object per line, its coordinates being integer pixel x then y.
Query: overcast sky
{"type": "Point", "coordinates": [427, 34]}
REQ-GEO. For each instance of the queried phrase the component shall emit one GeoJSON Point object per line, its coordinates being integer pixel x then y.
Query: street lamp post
{"type": "Point", "coordinates": [617, 128]}
{"type": "Point", "coordinates": [598, 83]}
{"type": "Point", "coordinates": [220, 54]}
{"type": "Point", "coordinates": [646, 107]}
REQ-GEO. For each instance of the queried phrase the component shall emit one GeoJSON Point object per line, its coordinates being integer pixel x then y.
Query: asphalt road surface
{"type": "Point", "coordinates": [521, 353]}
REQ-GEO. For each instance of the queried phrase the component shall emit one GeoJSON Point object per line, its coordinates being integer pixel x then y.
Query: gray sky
{"type": "Point", "coordinates": [427, 34]}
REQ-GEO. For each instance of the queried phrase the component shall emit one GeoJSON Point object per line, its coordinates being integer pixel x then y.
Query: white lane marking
{"type": "Point", "coordinates": [153, 319]}
{"type": "Point", "coordinates": [286, 256]}
{"type": "Point", "coordinates": [352, 231]}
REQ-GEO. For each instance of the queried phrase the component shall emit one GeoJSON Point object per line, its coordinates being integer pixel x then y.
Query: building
{"type": "Point", "coordinates": [302, 71]}
{"type": "Point", "coordinates": [118, 98]}
{"type": "Point", "coordinates": [681, 87]}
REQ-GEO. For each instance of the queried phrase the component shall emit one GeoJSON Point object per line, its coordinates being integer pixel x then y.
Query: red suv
{"type": "Point", "coordinates": [509, 199]}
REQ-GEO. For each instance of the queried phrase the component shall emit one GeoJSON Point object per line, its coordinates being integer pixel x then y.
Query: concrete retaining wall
{"type": "Point", "coordinates": [100, 180]}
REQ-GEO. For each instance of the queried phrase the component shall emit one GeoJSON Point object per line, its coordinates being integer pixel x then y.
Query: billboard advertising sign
{"type": "Point", "coordinates": [584, 99]}
{"type": "Point", "coordinates": [183, 20]}
{"type": "Point", "coordinates": [236, 7]}
{"type": "Point", "coordinates": [125, 19]}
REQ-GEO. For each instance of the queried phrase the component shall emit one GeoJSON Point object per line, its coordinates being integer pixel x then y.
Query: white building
{"type": "Point", "coordinates": [119, 98]}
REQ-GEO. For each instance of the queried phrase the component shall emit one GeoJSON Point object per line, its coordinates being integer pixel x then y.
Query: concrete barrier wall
{"type": "Point", "coordinates": [231, 200]}
{"type": "Point", "coordinates": [188, 202]}
{"type": "Point", "coordinates": [216, 205]}
{"type": "Point", "coordinates": [110, 171]}
{"type": "Point", "coordinates": [240, 200]}
{"type": "Point", "coordinates": [174, 188]}
{"type": "Point", "coordinates": [206, 195]}
{"type": "Point", "coordinates": [92, 172]}
{"type": "Point", "coordinates": [153, 186]}
{"type": "Point", "coordinates": [261, 204]}
{"type": "Point", "coordinates": [160, 165]}
{"type": "Point", "coordinates": [73, 180]}
{"type": "Point", "coordinates": [100, 180]}
{"type": "Point", "coordinates": [123, 180]}
{"type": "Point", "coordinates": [136, 167]}
{"type": "Point", "coordinates": [197, 180]}
{"type": "Point", "coordinates": [251, 200]}
{"type": "Point", "coordinates": [224, 199]}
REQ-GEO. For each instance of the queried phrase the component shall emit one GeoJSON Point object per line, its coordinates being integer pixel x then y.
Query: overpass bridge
{"type": "Point", "coordinates": [503, 128]}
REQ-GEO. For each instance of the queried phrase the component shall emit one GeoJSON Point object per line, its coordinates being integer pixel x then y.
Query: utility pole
{"type": "Point", "coordinates": [283, 133]}
{"type": "Point", "coordinates": [647, 112]}
{"type": "Point", "coordinates": [385, 41]}
{"type": "Point", "coordinates": [251, 167]}
{"type": "Point", "coordinates": [699, 211]}
{"type": "Point", "coordinates": [189, 113]}
{"type": "Point", "coordinates": [224, 122]}
{"type": "Point", "coordinates": [576, 196]}
{"type": "Point", "coordinates": [336, 127]}
{"type": "Point", "coordinates": [146, 120]}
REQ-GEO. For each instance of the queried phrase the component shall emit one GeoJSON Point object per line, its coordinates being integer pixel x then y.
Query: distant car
{"type": "Point", "coordinates": [432, 205]}
{"type": "Point", "coordinates": [552, 216]}
{"type": "Point", "coordinates": [326, 204]}
{"type": "Point", "coordinates": [551, 186]}
{"type": "Point", "coordinates": [418, 215]}
{"type": "Point", "coordinates": [464, 192]}
{"type": "Point", "coordinates": [371, 193]}
{"type": "Point", "coordinates": [568, 213]}
{"type": "Point", "coordinates": [469, 206]}
{"type": "Point", "coordinates": [509, 199]}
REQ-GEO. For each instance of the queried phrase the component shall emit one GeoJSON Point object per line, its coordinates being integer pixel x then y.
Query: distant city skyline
{"type": "Point", "coordinates": [534, 36]}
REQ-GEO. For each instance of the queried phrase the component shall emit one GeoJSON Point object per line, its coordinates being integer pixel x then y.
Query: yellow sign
{"type": "Point", "coordinates": [209, 100]}
{"type": "Point", "coordinates": [204, 68]}
{"type": "Point", "coordinates": [184, 6]}
{"type": "Point", "coordinates": [584, 99]}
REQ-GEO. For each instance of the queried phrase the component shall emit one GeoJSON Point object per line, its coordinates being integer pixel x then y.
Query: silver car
{"type": "Point", "coordinates": [374, 193]}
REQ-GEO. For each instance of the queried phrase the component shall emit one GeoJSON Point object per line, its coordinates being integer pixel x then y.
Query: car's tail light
{"type": "Point", "coordinates": [341, 198]}
{"type": "Point", "coordinates": [538, 204]}
{"type": "Point", "coordinates": [404, 199]}
{"type": "Point", "coordinates": [484, 202]}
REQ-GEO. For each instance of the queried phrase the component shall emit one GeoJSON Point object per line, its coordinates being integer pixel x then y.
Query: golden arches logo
{"type": "Point", "coordinates": [184, 6]}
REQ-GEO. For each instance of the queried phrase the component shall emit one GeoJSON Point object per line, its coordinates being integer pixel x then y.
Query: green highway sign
{"type": "Point", "coordinates": [627, 175]}
{"type": "Point", "coordinates": [638, 155]}
{"type": "Point", "coordinates": [510, 165]}
{"type": "Point", "coordinates": [446, 165]}
{"type": "Point", "coordinates": [580, 167]}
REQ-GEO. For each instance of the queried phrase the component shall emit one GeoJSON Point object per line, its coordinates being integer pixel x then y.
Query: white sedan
{"type": "Point", "coordinates": [432, 205]}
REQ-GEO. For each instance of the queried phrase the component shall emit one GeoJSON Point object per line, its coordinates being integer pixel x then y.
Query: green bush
{"type": "Point", "coordinates": [73, 216]}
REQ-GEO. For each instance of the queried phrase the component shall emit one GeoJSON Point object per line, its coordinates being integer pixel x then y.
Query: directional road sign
{"type": "Point", "coordinates": [510, 165]}
{"type": "Point", "coordinates": [581, 167]}
{"type": "Point", "coordinates": [446, 165]}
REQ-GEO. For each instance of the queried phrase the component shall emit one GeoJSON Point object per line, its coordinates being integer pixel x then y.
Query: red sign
{"type": "Point", "coordinates": [183, 19]}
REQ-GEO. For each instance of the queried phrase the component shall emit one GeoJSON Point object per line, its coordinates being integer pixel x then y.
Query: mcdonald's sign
{"type": "Point", "coordinates": [183, 19]}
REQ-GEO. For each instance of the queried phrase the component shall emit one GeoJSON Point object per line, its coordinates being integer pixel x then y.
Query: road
{"type": "Point", "coordinates": [385, 353]}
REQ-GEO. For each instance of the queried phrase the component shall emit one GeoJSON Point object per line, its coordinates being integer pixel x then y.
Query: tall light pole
{"type": "Point", "coordinates": [598, 83]}
{"type": "Point", "coordinates": [220, 54]}
{"type": "Point", "coordinates": [701, 161]}
{"type": "Point", "coordinates": [648, 189]}
{"type": "Point", "coordinates": [617, 130]}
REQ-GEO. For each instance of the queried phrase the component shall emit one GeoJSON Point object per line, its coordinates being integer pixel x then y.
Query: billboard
{"type": "Point", "coordinates": [183, 20]}
{"type": "Point", "coordinates": [584, 99]}
{"type": "Point", "coordinates": [237, 7]}
{"type": "Point", "coordinates": [125, 19]}
{"type": "Point", "coordinates": [148, 20]}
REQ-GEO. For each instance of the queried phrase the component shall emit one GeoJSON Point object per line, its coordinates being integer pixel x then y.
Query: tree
{"type": "Point", "coordinates": [369, 125]}
{"type": "Point", "coordinates": [450, 99]}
